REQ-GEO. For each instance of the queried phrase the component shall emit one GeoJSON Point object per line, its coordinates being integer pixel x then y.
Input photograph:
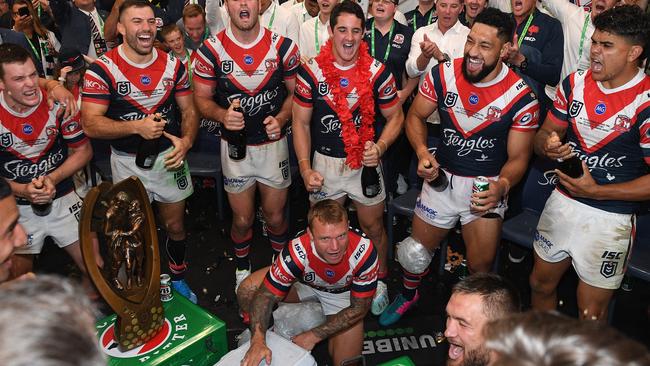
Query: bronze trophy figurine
{"type": "Point", "coordinates": [118, 224]}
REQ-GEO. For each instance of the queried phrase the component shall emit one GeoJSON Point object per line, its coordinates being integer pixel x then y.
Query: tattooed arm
{"type": "Point", "coordinates": [342, 320]}
{"type": "Point", "coordinates": [260, 312]}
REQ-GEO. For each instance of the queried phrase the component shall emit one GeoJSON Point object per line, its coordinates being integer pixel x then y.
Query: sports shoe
{"type": "Point", "coordinates": [395, 311]}
{"type": "Point", "coordinates": [182, 288]}
{"type": "Point", "coordinates": [240, 276]}
{"type": "Point", "coordinates": [381, 300]}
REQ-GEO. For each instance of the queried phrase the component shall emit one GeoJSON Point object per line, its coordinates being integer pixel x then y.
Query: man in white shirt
{"type": "Point", "coordinates": [442, 40]}
{"type": "Point", "coordinates": [577, 27]}
{"type": "Point", "coordinates": [313, 33]}
{"type": "Point", "coordinates": [279, 20]}
{"type": "Point", "coordinates": [305, 10]}
{"type": "Point", "coordinates": [436, 42]}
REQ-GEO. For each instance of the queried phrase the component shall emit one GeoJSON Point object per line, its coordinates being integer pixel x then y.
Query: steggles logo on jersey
{"type": "Point", "coordinates": [21, 169]}
{"type": "Point", "coordinates": [575, 108]}
{"type": "Point", "coordinates": [227, 67]}
{"type": "Point", "coordinates": [252, 106]}
{"type": "Point", "coordinates": [6, 140]}
{"type": "Point", "coordinates": [466, 146]}
{"type": "Point", "coordinates": [123, 88]}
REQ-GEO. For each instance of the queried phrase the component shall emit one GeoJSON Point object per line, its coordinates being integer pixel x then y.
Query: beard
{"type": "Point", "coordinates": [132, 41]}
{"type": "Point", "coordinates": [487, 68]}
{"type": "Point", "coordinates": [476, 357]}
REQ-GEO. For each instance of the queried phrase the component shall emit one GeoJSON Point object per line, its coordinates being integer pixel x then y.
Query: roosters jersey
{"type": "Point", "coordinates": [357, 272]}
{"type": "Point", "coordinates": [313, 92]}
{"type": "Point", "coordinates": [35, 143]}
{"type": "Point", "coordinates": [609, 129]}
{"type": "Point", "coordinates": [133, 91]}
{"type": "Point", "coordinates": [253, 73]}
{"type": "Point", "coordinates": [475, 118]}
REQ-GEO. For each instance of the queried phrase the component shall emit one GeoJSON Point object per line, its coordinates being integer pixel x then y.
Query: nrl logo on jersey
{"type": "Point", "coordinates": [226, 67]}
{"type": "Point", "coordinates": [323, 88]}
{"type": "Point", "coordinates": [450, 99]}
{"type": "Point", "coordinates": [6, 140]}
{"type": "Point", "coordinates": [575, 108]}
{"type": "Point", "coordinates": [123, 88]}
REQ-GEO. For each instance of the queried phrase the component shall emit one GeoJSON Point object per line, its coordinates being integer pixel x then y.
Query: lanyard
{"type": "Point", "coordinates": [275, 7]}
{"type": "Point", "coordinates": [582, 36]}
{"type": "Point", "coordinates": [372, 40]}
{"type": "Point", "coordinates": [415, 12]}
{"type": "Point", "coordinates": [189, 65]}
{"type": "Point", "coordinates": [525, 30]}
{"type": "Point", "coordinates": [316, 35]}
{"type": "Point", "coordinates": [36, 53]}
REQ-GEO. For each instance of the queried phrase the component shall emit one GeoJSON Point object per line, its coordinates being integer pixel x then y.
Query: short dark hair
{"type": "Point", "coordinates": [133, 4]}
{"type": "Point", "coordinates": [5, 189]}
{"type": "Point", "coordinates": [500, 297]}
{"type": "Point", "coordinates": [328, 212]}
{"type": "Point", "coordinates": [629, 22]}
{"type": "Point", "coordinates": [551, 339]}
{"type": "Point", "coordinates": [350, 7]}
{"type": "Point", "coordinates": [501, 21]}
{"type": "Point", "coordinates": [12, 53]}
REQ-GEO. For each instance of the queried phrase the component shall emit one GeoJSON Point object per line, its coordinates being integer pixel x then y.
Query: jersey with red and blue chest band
{"type": "Point", "coordinates": [476, 118]}
{"type": "Point", "coordinates": [253, 73]}
{"type": "Point", "coordinates": [133, 91]}
{"type": "Point", "coordinates": [36, 142]}
{"type": "Point", "coordinates": [313, 92]}
{"type": "Point", "coordinates": [298, 261]}
{"type": "Point", "coordinates": [609, 129]}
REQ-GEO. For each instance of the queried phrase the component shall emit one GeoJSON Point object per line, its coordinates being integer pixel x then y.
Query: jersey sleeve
{"type": "Point", "coordinates": [205, 64]}
{"type": "Point", "coordinates": [182, 82]}
{"type": "Point", "coordinates": [364, 278]}
{"type": "Point", "coordinates": [96, 84]}
{"type": "Point", "coordinates": [527, 116]}
{"type": "Point", "coordinates": [290, 59]}
{"type": "Point", "coordinates": [427, 87]}
{"type": "Point", "coordinates": [559, 113]}
{"type": "Point", "coordinates": [304, 87]}
{"type": "Point", "coordinates": [644, 131]}
{"type": "Point", "coordinates": [385, 88]}
{"type": "Point", "coordinates": [285, 270]}
{"type": "Point", "coordinates": [72, 133]}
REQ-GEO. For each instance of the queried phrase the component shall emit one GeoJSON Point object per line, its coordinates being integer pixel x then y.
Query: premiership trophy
{"type": "Point", "coordinates": [117, 224]}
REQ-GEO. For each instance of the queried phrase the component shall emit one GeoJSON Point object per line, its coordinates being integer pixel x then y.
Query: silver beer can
{"type": "Point", "coordinates": [166, 288]}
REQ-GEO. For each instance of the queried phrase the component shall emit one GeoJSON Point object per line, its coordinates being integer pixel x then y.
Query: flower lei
{"type": "Point", "coordinates": [354, 139]}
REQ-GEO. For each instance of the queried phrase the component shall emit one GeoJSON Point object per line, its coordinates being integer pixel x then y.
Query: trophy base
{"type": "Point", "coordinates": [189, 336]}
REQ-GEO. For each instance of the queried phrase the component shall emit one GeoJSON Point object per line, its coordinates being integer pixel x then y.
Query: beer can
{"type": "Point", "coordinates": [166, 288]}
{"type": "Point", "coordinates": [481, 184]}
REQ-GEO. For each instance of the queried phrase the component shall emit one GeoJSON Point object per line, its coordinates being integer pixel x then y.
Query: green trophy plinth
{"type": "Point", "coordinates": [189, 336]}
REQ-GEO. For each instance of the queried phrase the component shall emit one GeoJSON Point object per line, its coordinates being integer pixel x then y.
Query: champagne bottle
{"type": "Point", "coordinates": [148, 151]}
{"type": "Point", "coordinates": [370, 182]}
{"type": "Point", "coordinates": [571, 166]}
{"type": "Point", "coordinates": [41, 209]}
{"type": "Point", "coordinates": [441, 182]}
{"type": "Point", "coordinates": [237, 139]}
